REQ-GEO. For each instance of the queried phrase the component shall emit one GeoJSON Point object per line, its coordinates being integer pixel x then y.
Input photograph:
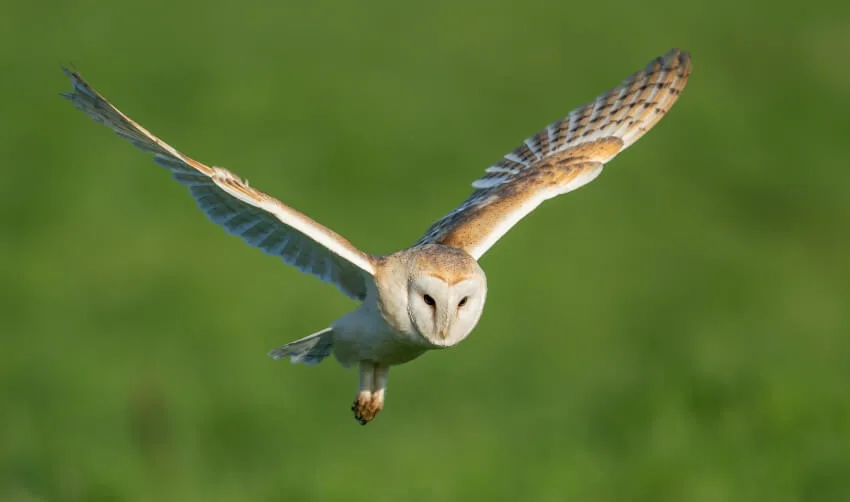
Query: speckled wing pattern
{"type": "Point", "coordinates": [564, 156]}
{"type": "Point", "coordinates": [261, 220]}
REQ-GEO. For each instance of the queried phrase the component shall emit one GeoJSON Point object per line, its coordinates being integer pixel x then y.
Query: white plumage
{"type": "Point", "coordinates": [431, 295]}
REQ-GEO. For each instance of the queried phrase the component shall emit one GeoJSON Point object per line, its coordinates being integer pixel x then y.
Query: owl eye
{"type": "Point", "coordinates": [462, 301]}
{"type": "Point", "coordinates": [429, 301]}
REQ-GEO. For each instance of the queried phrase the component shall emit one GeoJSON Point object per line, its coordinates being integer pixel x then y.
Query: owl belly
{"type": "Point", "coordinates": [363, 336]}
{"type": "Point", "coordinates": [373, 347]}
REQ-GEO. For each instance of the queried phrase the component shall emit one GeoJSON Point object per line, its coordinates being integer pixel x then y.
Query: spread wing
{"type": "Point", "coordinates": [566, 155]}
{"type": "Point", "coordinates": [261, 220]}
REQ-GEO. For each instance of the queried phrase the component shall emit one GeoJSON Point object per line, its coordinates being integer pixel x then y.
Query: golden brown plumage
{"type": "Point", "coordinates": [562, 157]}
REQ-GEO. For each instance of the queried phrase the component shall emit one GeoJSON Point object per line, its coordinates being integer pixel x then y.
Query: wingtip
{"type": "Point", "coordinates": [77, 82]}
{"type": "Point", "coordinates": [676, 58]}
{"type": "Point", "coordinates": [71, 72]}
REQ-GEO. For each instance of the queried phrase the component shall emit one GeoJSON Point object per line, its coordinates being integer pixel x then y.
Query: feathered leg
{"type": "Point", "coordinates": [370, 396]}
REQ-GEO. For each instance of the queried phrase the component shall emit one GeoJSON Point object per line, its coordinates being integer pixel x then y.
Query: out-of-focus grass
{"type": "Point", "coordinates": [678, 330]}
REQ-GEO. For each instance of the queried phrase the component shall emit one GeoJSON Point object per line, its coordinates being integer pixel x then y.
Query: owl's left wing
{"type": "Point", "coordinates": [566, 155]}
{"type": "Point", "coordinates": [260, 219]}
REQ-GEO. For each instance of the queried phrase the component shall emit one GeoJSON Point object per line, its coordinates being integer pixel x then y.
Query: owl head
{"type": "Point", "coordinates": [436, 294]}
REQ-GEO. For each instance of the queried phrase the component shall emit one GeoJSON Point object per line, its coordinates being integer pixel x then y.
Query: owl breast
{"type": "Point", "coordinates": [363, 335]}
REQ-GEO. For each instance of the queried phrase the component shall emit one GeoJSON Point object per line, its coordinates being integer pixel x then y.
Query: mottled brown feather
{"type": "Point", "coordinates": [491, 209]}
{"type": "Point", "coordinates": [565, 155]}
{"type": "Point", "coordinates": [449, 264]}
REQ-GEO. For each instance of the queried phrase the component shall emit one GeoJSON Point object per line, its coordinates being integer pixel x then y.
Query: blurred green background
{"type": "Point", "coordinates": [677, 330]}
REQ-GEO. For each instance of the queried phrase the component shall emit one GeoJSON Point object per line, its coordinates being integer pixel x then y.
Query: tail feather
{"type": "Point", "coordinates": [309, 350]}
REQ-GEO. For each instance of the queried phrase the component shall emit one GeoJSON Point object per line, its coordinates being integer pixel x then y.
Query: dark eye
{"type": "Point", "coordinates": [430, 301]}
{"type": "Point", "coordinates": [463, 301]}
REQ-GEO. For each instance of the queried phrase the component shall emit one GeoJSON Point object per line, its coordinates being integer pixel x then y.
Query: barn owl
{"type": "Point", "coordinates": [430, 295]}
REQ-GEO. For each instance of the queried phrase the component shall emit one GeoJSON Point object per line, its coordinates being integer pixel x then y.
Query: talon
{"type": "Point", "coordinates": [370, 399]}
{"type": "Point", "coordinates": [362, 409]}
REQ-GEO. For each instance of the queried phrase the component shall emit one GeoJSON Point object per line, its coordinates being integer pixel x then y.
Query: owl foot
{"type": "Point", "coordinates": [366, 406]}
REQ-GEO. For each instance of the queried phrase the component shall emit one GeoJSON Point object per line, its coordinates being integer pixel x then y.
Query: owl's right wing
{"type": "Point", "coordinates": [566, 155]}
{"type": "Point", "coordinates": [261, 220]}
